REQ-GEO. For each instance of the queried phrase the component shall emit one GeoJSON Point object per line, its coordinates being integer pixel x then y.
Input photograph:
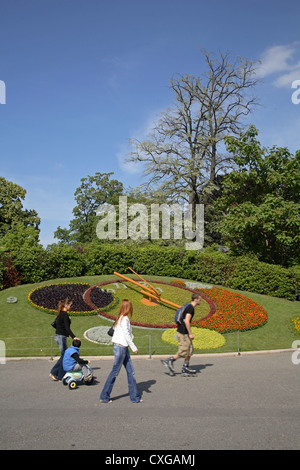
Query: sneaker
{"type": "Point", "coordinates": [186, 371]}
{"type": "Point", "coordinates": [168, 363]}
{"type": "Point", "coordinates": [53, 377]}
{"type": "Point", "coordinates": [88, 377]}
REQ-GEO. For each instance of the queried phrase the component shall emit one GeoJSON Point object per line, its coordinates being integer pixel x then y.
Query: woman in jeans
{"type": "Point", "coordinates": [62, 332]}
{"type": "Point", "coordinates": [122, 339]}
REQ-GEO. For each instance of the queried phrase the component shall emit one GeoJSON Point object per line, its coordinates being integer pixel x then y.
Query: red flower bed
{"type": "Point", "coordinates": [234, 312]}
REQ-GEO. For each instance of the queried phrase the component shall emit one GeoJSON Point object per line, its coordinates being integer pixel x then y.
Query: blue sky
{"type": "Point", "coordinates": [84, 76]}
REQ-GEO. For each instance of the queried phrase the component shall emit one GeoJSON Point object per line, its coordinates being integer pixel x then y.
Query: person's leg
{"type": "Point", "coordinates": [132, 386]}
{"type": "Point", "coordinates": [189, 348]}
{"type": "Point", "coordinates": [57, 372]}
{"type": "Point", "coordinates": [86, 371]}
{"type": "Point", "coordinates": [119, 354]}
{"type": "Point", "coordinates": [169, 363]}
{"type": "Point", "coordinates": [62, 343]}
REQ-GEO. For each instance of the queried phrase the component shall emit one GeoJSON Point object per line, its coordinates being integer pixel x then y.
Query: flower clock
{"type": "Point", "coordinates": [220, 311]}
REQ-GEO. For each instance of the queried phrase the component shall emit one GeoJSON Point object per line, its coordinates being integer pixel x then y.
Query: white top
{"type": "Point", "coordinates": [123, 335]}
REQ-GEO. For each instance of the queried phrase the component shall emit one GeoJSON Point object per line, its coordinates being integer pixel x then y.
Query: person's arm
{"type": "Point", "coordinates": [187, 322]}
{"type": "Point", "coordinates": [125, 324]}
{"type": "Point", "coordinates": [79, 360]}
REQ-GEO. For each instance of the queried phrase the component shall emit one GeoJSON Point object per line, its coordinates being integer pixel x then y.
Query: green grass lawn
{"type": "Point", "coordinates": [26, 330]}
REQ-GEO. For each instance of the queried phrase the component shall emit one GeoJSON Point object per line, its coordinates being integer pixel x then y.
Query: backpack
{"type": "Point", "coordinates": [179, 314]}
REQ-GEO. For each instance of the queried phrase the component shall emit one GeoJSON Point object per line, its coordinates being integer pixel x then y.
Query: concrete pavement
{"type": "Point", "coordinates": [245, 402]}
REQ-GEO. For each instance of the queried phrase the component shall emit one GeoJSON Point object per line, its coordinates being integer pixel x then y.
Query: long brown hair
{"type": "Point", "coordinates": [125, 309]}
{"type": "Point", "coordinates": [62, 304]}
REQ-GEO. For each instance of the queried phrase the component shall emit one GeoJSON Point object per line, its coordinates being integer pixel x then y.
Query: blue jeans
{"type": "Point", "coordinates": [61, 342]}
{"type": "Point", "coordinates": [122, 357]}
{"type": "Point", "coordinates": [57, 369]}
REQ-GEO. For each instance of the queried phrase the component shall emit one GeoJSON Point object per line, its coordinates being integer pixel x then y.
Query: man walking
{"type": "Point", "coordinates": [185, 338]}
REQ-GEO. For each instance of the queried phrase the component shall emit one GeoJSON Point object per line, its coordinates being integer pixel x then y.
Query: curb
{"type": "Point", "coordinates": [159, 356]}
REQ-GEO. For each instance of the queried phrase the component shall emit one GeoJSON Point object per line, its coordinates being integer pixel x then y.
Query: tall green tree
{"type": "Point", "coordinates": [93, 191]}
{"type": "Point", "coordinates": [13, 216]}
{"type": "Point", "coordinates": [261, 201]}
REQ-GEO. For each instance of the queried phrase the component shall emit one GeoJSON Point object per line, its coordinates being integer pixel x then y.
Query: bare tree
{"type": "Point", "coordinates": [181, 153]}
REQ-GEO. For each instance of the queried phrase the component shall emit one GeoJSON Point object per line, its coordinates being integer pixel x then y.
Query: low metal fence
{"type": "Point", "coordinates": [45, 346]}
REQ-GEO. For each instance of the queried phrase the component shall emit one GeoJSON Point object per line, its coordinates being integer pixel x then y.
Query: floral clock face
{"type": "Point", "coordinates": [220, 310]}
{"type": "Point", "coordinates": [153, 314]}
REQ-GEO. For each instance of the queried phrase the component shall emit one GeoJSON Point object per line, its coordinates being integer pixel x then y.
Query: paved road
{"type": "Point", "coordinates": [246, 402]}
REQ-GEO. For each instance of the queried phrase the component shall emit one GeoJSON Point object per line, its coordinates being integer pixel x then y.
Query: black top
{"type": "Point", "coordinates": [181, 327]}
{"type": "Point", "coordinates": [63, 323]}
{"type": "Point", "coordinates": [79, 360]}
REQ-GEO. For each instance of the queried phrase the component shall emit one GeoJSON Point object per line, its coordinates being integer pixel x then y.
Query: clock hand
{"type": "Point", "coordinates": [151, 287]}
{"type": "Point", "coordinates": [151, 291]}
{"type": "Point", "coordinates": [161, 300]}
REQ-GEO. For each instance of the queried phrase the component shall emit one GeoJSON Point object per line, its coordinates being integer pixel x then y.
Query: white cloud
{"type": "Point", "coordinates": [280, 60]}
{"type": "Point", "coordinates": [275, 59]}
{"type": "Point", "coordinates": [287, 79]}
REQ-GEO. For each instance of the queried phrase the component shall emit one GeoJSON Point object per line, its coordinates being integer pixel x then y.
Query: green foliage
{"type": "Point", "coordinates": [211, 266]}
{"type": "Point", "coordinates": [261, 201]}
{"type": "Point", "coordinates": [20, 237]}
{"type": "Point", "coordinates": [11, 207]}
{"type": "Point", "coordinates": [30, 262]}
{"type": "Point", "coordinates": [252, 275]}
{"type": "Point", "coordinates": [63, 261]}
{"type": "Point", "coordinates": [93, 191]}
{"type": "Point", "coordinates": [214, 267]}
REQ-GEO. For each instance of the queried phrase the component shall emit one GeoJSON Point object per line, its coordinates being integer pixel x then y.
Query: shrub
{"type": "Point", "coordinates": [10, 277]}
{"type": "Point", "coordinates": [213, 267]}
{"type": "Point", "coordinates": [254, 276]}
{"type": "Point", "coordinates": [30, 262]}
{"type": "Point", "coordinates": [63, 261]}
{"type": "Point", "coordinates": [2, 271]}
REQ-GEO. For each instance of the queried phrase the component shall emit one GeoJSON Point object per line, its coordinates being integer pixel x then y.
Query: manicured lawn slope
{"type": "Point", "coordinates": [26, 331]}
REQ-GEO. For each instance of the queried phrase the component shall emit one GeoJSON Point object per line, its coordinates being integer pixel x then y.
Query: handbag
{"type": "Point", "coordinates": [54, 323]}
{"type": "Point", "coordinates": [111, 330]}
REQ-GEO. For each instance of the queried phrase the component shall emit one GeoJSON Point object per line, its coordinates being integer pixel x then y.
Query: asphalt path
{"type": "Point", "coordinates": [241, 402]}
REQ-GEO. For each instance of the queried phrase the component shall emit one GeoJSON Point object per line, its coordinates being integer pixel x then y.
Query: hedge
{"type": "Point", "coordinates": [213, 267]}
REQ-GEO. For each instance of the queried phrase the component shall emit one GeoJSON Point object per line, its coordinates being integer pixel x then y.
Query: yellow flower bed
{"type": "Point", "coordinates": [297, 323]}
{"type": "Point", "coordinates": [203, 338]}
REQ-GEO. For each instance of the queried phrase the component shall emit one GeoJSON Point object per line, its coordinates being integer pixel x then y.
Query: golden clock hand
{"type": "Point", "coordinates": [134, 282]}
{"type": "Point", "coordinates": [159, 299]}
{"type": "Point", "coordinates": [151, 287]}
